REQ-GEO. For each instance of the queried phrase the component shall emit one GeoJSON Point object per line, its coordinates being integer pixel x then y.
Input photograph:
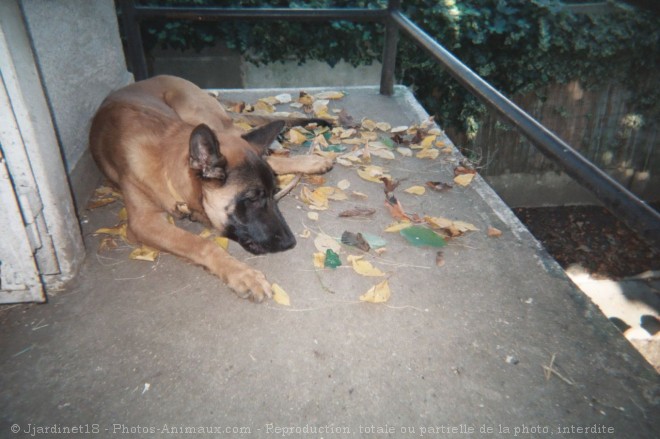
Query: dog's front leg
{"type": "Point", "coordinates": [148, 224]}
{"type": "Point", "coordinates": [305, 164]}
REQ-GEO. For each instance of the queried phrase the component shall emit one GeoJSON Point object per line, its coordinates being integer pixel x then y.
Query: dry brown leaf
{"type": "Point", "coordinates": [493, 232]}
{"type": "Point", "coordinates": [357, 211]}
{"type": "Point", "coordinates": [396, 210]}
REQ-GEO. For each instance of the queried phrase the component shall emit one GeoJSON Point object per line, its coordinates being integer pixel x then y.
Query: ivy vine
{"type": "Point", "coordinates": [519, 46]}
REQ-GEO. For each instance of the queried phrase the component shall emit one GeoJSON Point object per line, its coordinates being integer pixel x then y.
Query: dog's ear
{"type": "Point", "coordinates": [205, 156]}
{"type": "Point", "coordinates": [263, 136]}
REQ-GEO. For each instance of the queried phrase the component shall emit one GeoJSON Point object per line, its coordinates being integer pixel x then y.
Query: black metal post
{"type": "Point", "coordinates": [133, 39]}
{"type": "Point", "coordinates": [638, 215]}
{"type": "Point", "coordinates": [389, 50]}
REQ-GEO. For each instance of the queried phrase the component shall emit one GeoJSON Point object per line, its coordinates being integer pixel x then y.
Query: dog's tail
{"type": "Point", "coordinates": [256, 119]}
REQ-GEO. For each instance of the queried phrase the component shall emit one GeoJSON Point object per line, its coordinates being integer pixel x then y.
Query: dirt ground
{"type": "Point", "coordinates": [591, 241]}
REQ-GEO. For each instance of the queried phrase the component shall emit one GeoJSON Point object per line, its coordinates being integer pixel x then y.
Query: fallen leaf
{"type": "Point", "coordinates": [390, 184]}
{"type": "Point", "coordinates": [221, 241]}
{"type": "Point", "coordinates": [118, 230]}
{"type": "Point", "coordinates": [372, 173]}
{"type": "Point", "coordinates": [397, 227]}
{"type": "Point", "coordinates": [465, 227]}
{"type": "Point", "coordinates": [345, 119]}
{"type": "Point", "coordinates": [374, 241]}
{"type": "Point", "coordinates": [316, 199]}
{"type": "Point", "coordinates": [316, 180]}
{"type": "Point", "coordinates": [314, 216]}
{"type": "Point", "coordinates": [439, 186]}
{"type": "Point", "coordinates": [357, 211]}
{"type": "Point", "coordinates": [305, 234]}
{"type": "Point", "coordinates": [421, 236]}
{"type": "Point", "coordinates": [323, 242]}
{"type": "Point", "coordinates": [396, 210]}
{"type": "Point", "coordinates": [357, 194]}
{"type": "Point", "coordinates": [144, 253]}
{"type": "Point", "coordinates": [399, 129]}
{"type": "Point", "coordinates": [416, 190]}
{"type": "Point", "coordinates": [319, 260]}
{"type": "Point", "coordinates": [283, 98]}
{"type": "Point", "coordinates": [355, 240]}
{"type": "Point", "coordinates": [332, 193]}
{"type": "Point", "coordinates": [331, 259]}
{"type": "Point", "coordinates": [379, 293]}
{"type": "Point", "coordinates": [439, 259]}
{"type": "Point", "coordinates": [344, 184]}
{"type": "Point", "coordinates": [96, 203]}
{"type": "Point", "coordinates": [428, 141]}
{"type": "Point", "coordinates": [107, 243]}
{"type": "Point", "coordinates": [368, 124]}
{"type": "Point", "coordinates": [463, 179]}
{"type": "Point", "coordinates": [406, 152]}
{"type": "Point", "coordinates": [297, 136]}
{"type": "Point", "coordinates": [280, 296]}
{"type": "Point", "coordinates": [493, 232]}
{"type": "Point", "coordinates": [383, 126]}
{"type": "Point", "coordinates": [332, 95]}
{"type": "Point", "coordinates": [428, 153]}
{"type": "Point", "coordinates": [460, 170]}
{"type": "Point", "coordinates": [363, 267]}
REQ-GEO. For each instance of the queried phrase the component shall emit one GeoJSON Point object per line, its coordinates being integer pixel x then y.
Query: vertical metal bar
{"type": "Point", "coordinates": [133, 39]}
{"type": "Point", "coordinates": [389, 50]}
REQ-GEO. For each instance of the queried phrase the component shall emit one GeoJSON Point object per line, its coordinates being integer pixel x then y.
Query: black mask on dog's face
{"type": "Point", "coordinates": [239, 199]}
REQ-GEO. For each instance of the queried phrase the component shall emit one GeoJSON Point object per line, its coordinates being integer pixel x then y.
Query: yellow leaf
{"type": "Point", "coordinates": [305, 234]}
{"type": "Point", "coordinates": [416, 190]}
{"type": "Point", "coordinates": [118, 230]}
{"type": "Point", "coordinates": [344, 184]}
{"type": "Point", "coordinates": [243, 125]}
{"type": "Point", "coordinates": [372, 173]}
{"type": "Point", "coordinates": [462, 226]}
{"type": "Point", "coordinates": [262, 105]}
{"type": "Point", "coordinates": [428, 153]}
{"type": "Point", "coordinates": [333, 95]}
{"type": "Point", "coordinates": [280, 296]}
{"type": "Point", "coordinates": [319, 260]}
{"type": "Point", "coordinates": [464, 179]}
{"type": "Point", "coordinates": [332, 193]}
{"type": "Point", "coordinates": [428, 141]}
{"type": "Point", "coordinates": [144, 253]}
{"type": "Point", "coordinates": [316, 200]}
{"type": "Point", "coordinates": [438, 222]}
{"type": "Point", "coordinates": [296, 137]}
{"type": "Point", "coordinates": [221, 241]}
{"type": "Point", "coordinates": [379, 293]}
{"type": "Point", "coordinates": [284, 179]}
{"type": "Point", "coordinates": [123, 214]}
{"type": "Point", "coordinates": [368, 124]}
{"type": "Point", "coordinates": [94, 204]}
{"type": "Point", "coordinates": [314, 216]}
{"type": "Point", "coordinates": [364, 267]}
{"type": "Point", "coordinates": [396, 227]}
{"type": "Point", "coordinates": [383, 126]}
{"type": "Point", "coordinates": [205, 233]}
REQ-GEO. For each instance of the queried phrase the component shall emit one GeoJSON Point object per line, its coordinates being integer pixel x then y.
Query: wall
{"type": "Point", "coordinates": [80, 59]}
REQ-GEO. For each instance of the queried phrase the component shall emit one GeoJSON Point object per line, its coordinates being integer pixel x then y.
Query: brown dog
{"type": "Point", "coordinates": [171, 148]}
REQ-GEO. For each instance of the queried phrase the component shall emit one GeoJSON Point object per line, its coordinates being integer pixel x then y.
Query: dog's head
{"type": "Point", "coordinates": [238, 187]}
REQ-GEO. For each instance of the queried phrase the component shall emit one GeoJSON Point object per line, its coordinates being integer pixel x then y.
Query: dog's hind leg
{"type": "Point", "coordinates": [147, 223]}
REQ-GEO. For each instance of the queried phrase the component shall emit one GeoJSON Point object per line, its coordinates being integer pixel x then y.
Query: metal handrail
{"type": "Point", "coordinates": [636, 213]}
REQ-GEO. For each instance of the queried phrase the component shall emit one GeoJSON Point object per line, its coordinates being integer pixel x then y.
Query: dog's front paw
{"type": "Point", "coordinates": [249, 283]}
{"type": "Point", "coordinates": [318, 164]}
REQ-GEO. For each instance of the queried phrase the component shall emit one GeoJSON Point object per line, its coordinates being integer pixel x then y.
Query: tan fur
{"type": "Point", "coordinates": [140, 140]}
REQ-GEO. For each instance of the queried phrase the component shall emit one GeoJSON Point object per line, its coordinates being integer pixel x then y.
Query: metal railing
{"type": "Point", "coordinates": [636, 213]}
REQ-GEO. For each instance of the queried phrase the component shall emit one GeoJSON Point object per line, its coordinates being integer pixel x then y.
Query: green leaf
{"type": "Point", "coordinates": [421, 236]}
{"type": "Point", "coordinates": [331, 259]}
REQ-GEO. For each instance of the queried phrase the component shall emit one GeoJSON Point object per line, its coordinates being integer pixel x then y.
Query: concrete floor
{"type": "Point", "coordinates": [137, 348]}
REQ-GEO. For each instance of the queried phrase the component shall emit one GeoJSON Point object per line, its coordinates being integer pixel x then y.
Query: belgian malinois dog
{"type": "Point", "coordinates": [171, 148]}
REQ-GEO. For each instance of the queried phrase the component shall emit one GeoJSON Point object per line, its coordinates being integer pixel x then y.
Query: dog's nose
{"type": "Point", "coordinates": [287, 241]}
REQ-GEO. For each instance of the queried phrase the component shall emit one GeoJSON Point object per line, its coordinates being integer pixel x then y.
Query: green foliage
{"type": "Point", "coordinates": [518, 46]}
